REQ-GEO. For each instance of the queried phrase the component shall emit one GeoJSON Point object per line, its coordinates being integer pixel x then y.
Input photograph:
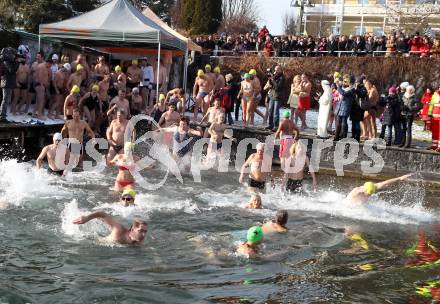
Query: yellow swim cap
{"type": "Point", "coordinates": [208, 67]}
{"type": "Point", "coordinates": [217, 70]}
{"type": "Point", "coordinates": [95, 88]}
{"type": "Point", "coordinates": [75, 89]}
{"type": "Point", "coordinates": [79, 67]}
{"type": "Point", "coordinates": [162, 97]}
{"type": "Point", "coordinates": [360, 242]}
{"type": "Point", "coordinates": [129, 146]}
{"type": "Point", "coordinates": [135, 62]}
{"type": "Point", "coordinates": [130, 192]}
{"type": "Point", "coordinates": [370, 188]}
{"type": "Point", "coordinates": [253, 72]}
{"type": "Point", "coordinates": [200, 73]}
{"type": "Point", "coordinates": [118, 69]}
{"type": "Point", "coordinates": [336, 75]}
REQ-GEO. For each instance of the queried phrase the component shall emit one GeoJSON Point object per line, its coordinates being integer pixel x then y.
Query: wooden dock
{"type": "Point", "coordinates": [23, 131]}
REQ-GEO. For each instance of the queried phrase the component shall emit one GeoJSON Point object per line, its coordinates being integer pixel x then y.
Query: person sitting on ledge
{"type": "Point", "coordinates": [360, 195]}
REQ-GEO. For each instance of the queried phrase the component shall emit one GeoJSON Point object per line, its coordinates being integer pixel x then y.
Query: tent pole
{"type": "Point", "coordinates": [158, 71]}
{"type": "Point", "coordinates": [185, 70]}
{"type": "Point", "coordinates": [39, 43]}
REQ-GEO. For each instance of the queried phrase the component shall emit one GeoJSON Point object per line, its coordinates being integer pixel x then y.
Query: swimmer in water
{"type": "Point", "coordinates": [360, 195]}
{"type": "Point", "coordinates": [278, 224]}
{"type": "Point", "coordinates": [119, 234]}
{"type": "Point", "coordinates": [255, 202]}
{"type": "Point", "coordinates": [254, 238]}
{"type": "Point", "coordinates": [128, 197]}
{"type": "Point", "coordinates": [50, 152]}
{"type": "Point", "coordinates": [257, 178]}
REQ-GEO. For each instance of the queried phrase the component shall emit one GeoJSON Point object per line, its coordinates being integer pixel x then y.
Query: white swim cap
{"type": "Point", "coordinates": [54, 57]}
{"type": "Point", "coordinates": [57, 136]}
{"type": "Point", "coordinates": [67, 66]}
{"type": "Point", "coordinates": [260, 146]}
{"type": "Point", "coordinates": [404, 85]}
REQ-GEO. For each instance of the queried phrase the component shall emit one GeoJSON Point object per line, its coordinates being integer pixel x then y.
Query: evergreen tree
{"type": "Point", "coordinates": [187, 9]}
{"type": "Point", "coordinates": [207, 16]}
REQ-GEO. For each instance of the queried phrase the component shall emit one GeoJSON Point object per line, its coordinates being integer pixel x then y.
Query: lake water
{"type": "Point", "coordinates": [194, 230]}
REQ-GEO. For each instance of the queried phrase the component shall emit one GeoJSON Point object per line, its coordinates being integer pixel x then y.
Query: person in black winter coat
{"type": "Point", "coordinates": [357, 114]}
{"type": "Point", "coordinates": [411, 106]}
{"type": "Point", "coordinates": [343, 108]}
{"type": "Point", "coordinates": [391, 115]}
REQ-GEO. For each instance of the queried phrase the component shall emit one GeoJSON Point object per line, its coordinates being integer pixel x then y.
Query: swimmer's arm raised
{"type": "Point", "coordinates": [385, 184]}
{"type": "Point", "coordinates": [109, 220]}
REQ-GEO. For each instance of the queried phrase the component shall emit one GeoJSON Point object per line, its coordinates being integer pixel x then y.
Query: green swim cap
{"type": "Point", "coordinates": [255, 234]}
{"type": "Point", "coordinates": [247, 76]}
{"type": "Point", "coordinates": [286, 114]}
{"type": "Point", "coordinates": [370, 188]}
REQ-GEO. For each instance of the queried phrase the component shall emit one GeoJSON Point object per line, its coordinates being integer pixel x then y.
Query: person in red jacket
{"type": "Point", "coordinates": [263, 32]}
{"type": "Point", "coordinates": [434, 113]}
{"type": "Point", "coordinates": [414, 44]}
{"type": "Point", "coordinates": [426, 102]}
{"type": "Point", "coordinates": [425, 47]}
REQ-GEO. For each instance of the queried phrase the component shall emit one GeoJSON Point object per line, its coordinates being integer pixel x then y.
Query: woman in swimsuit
{"type": "Point", "coordinates": [158, 109]}
{"type": "Point", "coordinates": [247, 93]}
{"type": "Point", "coordinates": [90, 105]}
{"type": "Point", "coordinates": [125, 164]}
{"type": "Point", "coordinates": [257, 178]}
{"type": "Point", "coordinates": [71, 102]}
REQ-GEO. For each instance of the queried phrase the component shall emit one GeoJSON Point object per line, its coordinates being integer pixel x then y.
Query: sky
{"type": "Point", "coordinates": [271, 13]}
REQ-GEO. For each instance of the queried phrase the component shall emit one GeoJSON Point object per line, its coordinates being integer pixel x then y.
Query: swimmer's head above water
{"type": "Point", "coordinates": [281, 217]}
{"type": "Point", "coordinates": [255, 202]}
{"type": "Point", "coordinates": [128, 197]}
{"type": "Point", "coordinates": [369, 188]}
{"type": "Point", "coordinates": [138, 230]}
{"type": "Point", "coordinates": [254, 235]}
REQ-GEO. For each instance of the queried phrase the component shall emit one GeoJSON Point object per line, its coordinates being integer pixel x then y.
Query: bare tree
{"type": "Point", "coordinates": [239, 16]}
{"type": "Point", "coordinates": [289, 24]}
{"type": "Point", "coordinates": [410, 18]}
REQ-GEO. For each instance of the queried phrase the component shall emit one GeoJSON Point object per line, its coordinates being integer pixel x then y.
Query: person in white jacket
{"type": "Point", "coordinates": [325, 103]}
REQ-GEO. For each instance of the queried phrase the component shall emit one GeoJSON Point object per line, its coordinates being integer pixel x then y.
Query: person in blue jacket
{"type": "Point", "coordinates": [343, 108]}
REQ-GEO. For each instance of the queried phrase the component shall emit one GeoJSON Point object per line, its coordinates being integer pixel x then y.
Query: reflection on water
{"type": "Point", "coordinates": [194, 229]}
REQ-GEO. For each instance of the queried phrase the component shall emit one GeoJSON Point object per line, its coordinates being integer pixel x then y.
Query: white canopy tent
{"type": "Point", "coordinates": [116, 23]}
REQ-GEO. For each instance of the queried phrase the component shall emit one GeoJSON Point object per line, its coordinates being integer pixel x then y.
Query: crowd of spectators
{"type": "Point", "coordinates": [263, 43]}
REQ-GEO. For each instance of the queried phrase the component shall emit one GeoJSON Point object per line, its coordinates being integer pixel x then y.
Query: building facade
{"type": "Point", "coordinates": [324, 17]}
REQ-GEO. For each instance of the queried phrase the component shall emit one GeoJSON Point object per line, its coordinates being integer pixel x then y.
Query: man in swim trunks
{"type": "Point", "coordinates": [294, 173]}
{"type": "Point", "coordinates": [170, 117]}
{"type": "Point", "coordinates": [22, 87]}
{"type": "Point", "coordinates": [119, 79]}
{"type": "Point", "coordinates": [71, 102]}
{"type": "Point", "coordinates": [38, 60]}
{"type": "Point", "coordinates": [255, 202]}
{"type": "Point", "coordinates": [201, 93]}
{"type": "Point", "coordinates": [209, 75]}
{"type": "Point", "coordinates": [85, 70]}
{"type": "Point", "coordinates": [212, 113]}
{"type": "Point", "coordinates": [76, 128]}
{"type": "Point", "coordinates": [135, 235]}
{"type": "Point", "coordinates": [134, 75]}
{"type": "Point", "coordinates": [360, 195]}
{"type": "Point", "coordinates": [257, 178]}
{"type": "Point", "coordinates": [42, 80]}
{"type": "Point", "coordinates": [60, 89]}
{"type": "Point", "coordinates": [278, 224]}
{"type": "Point", "coordinates": [177, 96]}
{"type": "Point", "coordinates": [101, 69]}
{"type": "Point", "coordinates": [285, 132]}
{"type": "Point", "coordinates": [115, 134]}
{"type": "Point", "coordinates": [219, 80]}
{"type": "Point", "coordinates": [127, 197]}
{"type": "Point", "coordinates": [50, 152]}
{"type": "Point", "coordinates": [136, 102]}
{"type": "Point", "coordinates": [76, 78]}
{"type": "Point", "coordinates": [246, 93]}
{"type": "Point", "coordinates": [181, 135]}
{"type": "Point", "coordinates": [254, 238]}
{"type": "Point", "coordinates": [304, 100]}
{"type": "Point", "coordinates": [119, 102]}
{"type": "Point", "coordinates": [54, 67]}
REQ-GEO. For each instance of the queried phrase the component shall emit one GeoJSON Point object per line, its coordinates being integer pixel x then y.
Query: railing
{"type": "Point", "coordinates": [314, 53]}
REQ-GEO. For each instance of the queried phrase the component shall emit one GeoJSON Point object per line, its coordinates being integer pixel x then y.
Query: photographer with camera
{"type": "Point", "coordinates": [275, 85]}
{"type": "Point", "coordinates": [8, 70]}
